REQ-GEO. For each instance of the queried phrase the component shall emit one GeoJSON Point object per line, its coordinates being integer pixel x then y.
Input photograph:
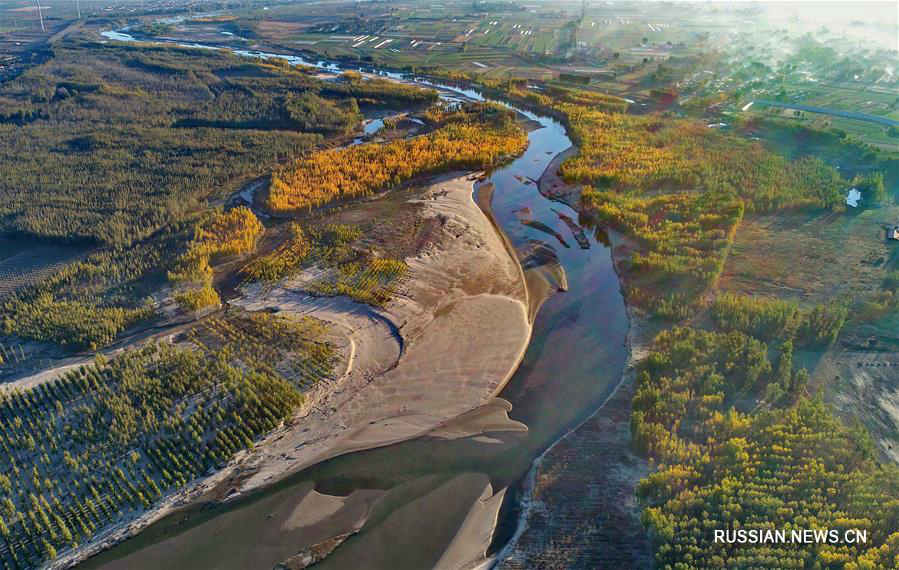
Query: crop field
{"type": "Point", "coordinates": [625, 31]}
{"type": "Point", "coordinates": [871, 100]}
{"type": "Point", "coordinates": [21, 265]}
{"type": "Point", "coordinates": [622, 27]}
{"type": "Point", "coordinates": [429, 46]}
{"type": "Point", "coordinates": [424, 35]}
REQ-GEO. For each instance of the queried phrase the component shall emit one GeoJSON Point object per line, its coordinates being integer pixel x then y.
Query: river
{"type": "Point", "coordinates": [416, 493]}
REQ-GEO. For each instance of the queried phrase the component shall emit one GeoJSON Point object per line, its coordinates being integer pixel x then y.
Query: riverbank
{"type": "Point", "coordinates": [573, 514]}
{"type": "Point", "coordinates": [425, 373]}
{"type": "Point", "coordinates": [446, 346]}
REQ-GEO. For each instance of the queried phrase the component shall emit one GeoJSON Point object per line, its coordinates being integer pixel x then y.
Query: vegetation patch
{"type": "Point", "coordinates": [652, 152]}
{"type": "Point", "coordinates": [796, 466]}
{"type": "Point", "coordinates": [363, 170]}
{"type": "Point", "coordinates": [68, 323]}
{"type": "Point", "coordinates": [91, 146]}
{"type": "Point", "coordinates": [684, 240]}
{"type": "Point", "coordinates": [221, 235]}
{"type": "Point", "coordinates": [378, 91]}
{"type": "Point", "coordinates": [103, 443]}
{"type": "Point", "coordinates": [770, 319]}
{"type": "Point", "coordinates": [347, 267]}
{"type": "Point", "coordinates": [86, 304]}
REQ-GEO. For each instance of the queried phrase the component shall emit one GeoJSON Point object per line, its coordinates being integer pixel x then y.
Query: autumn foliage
{"type": "Point", "coordinates": [719, 468]}
{"type": "Point", "coordinates": [223, 234]}
{"type": "Point", "coordinates": [366, 169]}
{"type": "Point", "coordinates": [683, 240]}
{"type": "Point", "coordinates": [631, 152]}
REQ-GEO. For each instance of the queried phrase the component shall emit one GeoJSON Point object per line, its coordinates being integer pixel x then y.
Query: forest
{"type": "Point", "coordinates": [86, 304]}
{"type": "Point", "coordinates": [683, 240]}
{"type": "Point", "coordinates": [770, 319]}
{"type": "Point", "coordinates": [792, 464]}
{"type": "Point", "coordinates": [101, 156]}
{"type": "Point", "coordinates": [220, 235]}
{"type": "Point", "coordinates": [120, 145]}
{"type": "Point", "coordinates": [109, 143]}
{"type": "Point", "coordinates": [364, 170]}
{"type": "Point", "coordinates": [378, 91]}
{"type": "Point", "coordinates": [99, 444]}
{"type": "Point", "coordinates": [655, 152]}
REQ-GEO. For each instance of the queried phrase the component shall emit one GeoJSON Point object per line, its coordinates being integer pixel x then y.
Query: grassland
{"type": "Point", "coordinates": [794, 256]}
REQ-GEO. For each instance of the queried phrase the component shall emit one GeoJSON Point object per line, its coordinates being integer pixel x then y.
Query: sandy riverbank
{"type": "Point", "coordinates": [448, 345]}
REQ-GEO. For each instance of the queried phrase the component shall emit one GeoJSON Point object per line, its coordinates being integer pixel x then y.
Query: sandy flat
{"type": "Point", "coordinates": [469, 547]}
{"type": "Point", "coordinates": [447, 346]}
{"type": "Point", "coordinates": [468, 509]}
{"type": "Point", "coordinates": [490, 417]}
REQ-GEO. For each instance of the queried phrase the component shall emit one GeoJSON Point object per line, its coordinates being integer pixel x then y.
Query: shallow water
{"type": "Point", "coordinates": [573, 362]}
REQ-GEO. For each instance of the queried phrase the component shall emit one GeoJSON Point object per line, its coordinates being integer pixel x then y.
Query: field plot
{"type": "Point", "coordinates": [845, 96]}
{"type": "Point", "coordinates": [21, 265]}
{"type": "Point", "coordinates": [623, 27]}
{"type": "Point", "coordinates": [794, 257]}
{"type": "Point", "coordinates": [417, 35]}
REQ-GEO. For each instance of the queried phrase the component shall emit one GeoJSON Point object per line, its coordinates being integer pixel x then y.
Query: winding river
{"type": "Point", "coordinates": [415, 496]}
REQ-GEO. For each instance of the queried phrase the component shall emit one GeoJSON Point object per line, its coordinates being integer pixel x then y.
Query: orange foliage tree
{"type": "Point", "coordinates": [223, 234]}
{"type": "Point", "coordinates": [366, 169]}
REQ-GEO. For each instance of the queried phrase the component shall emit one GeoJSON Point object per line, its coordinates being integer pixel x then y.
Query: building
{"type": "Point", "coordinates": [893, 232]}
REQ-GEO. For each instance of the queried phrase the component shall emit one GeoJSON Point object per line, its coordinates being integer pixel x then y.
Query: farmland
{"type": "Point", "coordinates": [404, 35]}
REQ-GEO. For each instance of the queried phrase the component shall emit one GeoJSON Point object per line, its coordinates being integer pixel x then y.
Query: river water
{"type": "Point", "coordinates": [419, 491]}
